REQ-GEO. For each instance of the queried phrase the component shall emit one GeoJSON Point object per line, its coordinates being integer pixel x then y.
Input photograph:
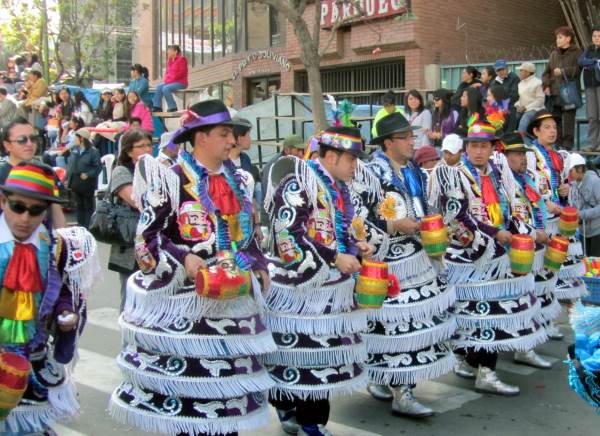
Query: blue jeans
{"type": "Point", "coordinates": [524, 122]}
{"type": "Point", "coordinates": [166, 91]}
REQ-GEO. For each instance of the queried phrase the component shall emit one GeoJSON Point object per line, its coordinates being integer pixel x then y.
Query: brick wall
{"type": "Point", "coordinates": [494, 28]}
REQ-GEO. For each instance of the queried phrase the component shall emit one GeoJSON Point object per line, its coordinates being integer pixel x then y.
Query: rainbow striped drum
{"type": "Point", "coordinates": [14, 375]}
{"type": "Point", "coordinates": [521, 254]}
{"type": "Point", "coordinates": [434, 235]}
{"type": "Point", "coordinates": [556, 253]}
{"type": "Point", "coordinates": [568, 221]}
{"type": "Point", "coordinates": [372, 284]}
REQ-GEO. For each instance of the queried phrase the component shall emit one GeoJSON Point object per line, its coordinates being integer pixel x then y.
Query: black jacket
{"type": "Point", "coordinates": [588, 61]}
{"type": "Point", "coordinates": [455, 100]}
{"type": "Point", "coordinates": [511, 87]}
{"type": "Point", "coordinates": [85, 161]}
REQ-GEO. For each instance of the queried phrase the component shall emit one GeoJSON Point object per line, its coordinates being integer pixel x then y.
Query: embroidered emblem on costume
{"type": "Point", "coordinates": [194, 222]}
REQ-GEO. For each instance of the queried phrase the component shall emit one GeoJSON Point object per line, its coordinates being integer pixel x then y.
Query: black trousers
{"type": "Point", "coordinates": [86, 205]}
{"type": "Point", "coordinates": [481, 357]}
{"type": "Point", "coordinates": [592, 246]}
{"type": "Point", "coordinates": [307, 411]}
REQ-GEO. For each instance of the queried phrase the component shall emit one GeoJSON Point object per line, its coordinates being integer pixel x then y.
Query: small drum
{"type": "Point", "coordinates": [568, 222]}
{"type": "Point", "coordinates": [521, 254]}
{"type": "Point", "coordinates": [14, 374]}
{"type": "Point", "coordinates": [224, 280]}
{"type": "Point", "coordinates": [556, 253]}
{"type": "Point", "coordinates": [373, 284]}
{"type": "Point", "coordinates": [434, 235]}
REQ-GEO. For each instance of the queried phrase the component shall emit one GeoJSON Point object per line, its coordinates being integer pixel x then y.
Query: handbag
{"type": "Point", "coordinates": [114, 223]}
{"type": "Point", "coordinates": [570, 96]}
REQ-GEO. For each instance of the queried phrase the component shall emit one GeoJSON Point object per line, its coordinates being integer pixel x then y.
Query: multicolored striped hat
{"type": "Point", "coordinates": [343, 138]}
{"type": "Point", "coordinates": [34, 180]}
{"type": "Point", "coordinates": [481, 131]}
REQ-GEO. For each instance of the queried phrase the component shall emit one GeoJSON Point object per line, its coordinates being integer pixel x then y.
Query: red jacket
{"type": "Point", "coordinates": [177, 71]}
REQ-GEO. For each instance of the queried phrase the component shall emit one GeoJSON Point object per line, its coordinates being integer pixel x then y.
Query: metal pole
{"type": "Point", "coordinates": [45, 48]}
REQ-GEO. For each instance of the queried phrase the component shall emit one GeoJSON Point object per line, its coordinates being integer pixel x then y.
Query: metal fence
{"type": "Point", "coordinates": [451, 74]}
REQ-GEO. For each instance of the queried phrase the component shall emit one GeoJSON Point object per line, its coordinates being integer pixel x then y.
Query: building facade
{"type": "Point", "coordinates": [242, 51]}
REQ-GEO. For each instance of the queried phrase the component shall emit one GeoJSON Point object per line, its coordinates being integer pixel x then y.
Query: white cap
{"type": "Point", "coordinates": [165, 138]}
{"type": "Point", "coordinates": [573, 160]}
{"type": "Point", "coordinates": [527, 66]}
{"type": "Point", "coordinates": [452, 143]}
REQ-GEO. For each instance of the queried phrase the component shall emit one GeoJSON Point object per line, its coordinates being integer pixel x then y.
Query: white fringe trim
{"type": "Point", "coordinates": [550, 312]}
{"type": "Point", "coordinates": [195, 387]}
{"type": "Point", "coordinates": [411, 341]}
{"type": "Point", "coordinates": [492, 290]}
{"type": "Point", "coordinates": [344, 323]}
{"type": "Point", "coordinates": [313, 301]}
{"type": "Point", "coordinates": [195, 345]}
{"type": "Point", "coordinates": [538, 261]}
{"type": "Point", "coordinates": [478, 271]}
{"type": "Point", "coordinates": [62, 405]}
{"type": "Point", "coordinates": [143, 308]}
{"type": "Point", "coordinates": [546, 286]}
{"type": "Point", "coordinates": [572, 271]}
{"type": "Point", "coordinates": [571, 293]}
{"type": "Point", "coordinates": [516, 321]}
{"type": "Point", "coordinates": [154, 423]}
{"type": "Point", "coordinates": [552, 226]}
{"type": "Point", "coordinates": [524, 343]}
{"type": "Point", "coordinates": [419, 311]}
{"type": "Point", "coordinates": [575, 249]}
{"type": "Point", "coordinates": [309, 357]}
{"type": "Point", "coordinates": [155, 181]}
{"type": "Point", "coordinates": [410, 375]}
{"type": "Point", "coordinates": [412, 269]}
{"type": "Point", "coordinates": [320, 392]}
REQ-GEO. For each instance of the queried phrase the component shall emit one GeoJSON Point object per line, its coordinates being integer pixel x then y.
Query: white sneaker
{"type": "Point", "coordinates": [314, 430]}
{"type": "Point", "coordinates": [380, 392]}
{"type": "Point", "coordinates": [287, 419]}
{"type": "Point", "coordinates": [405, 404]}
{"type": "Point", "coordinates": [553, 332]}
{"type": "Point", "coordinates": [487, 381]}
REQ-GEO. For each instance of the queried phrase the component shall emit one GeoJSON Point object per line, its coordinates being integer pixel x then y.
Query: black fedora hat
{"type": "Point", "coordinates": [513, 141]}
{"type": "Point", "coordinates": [537, 119]}
{"type": "Point", "coordinates": [390, 124]}
{"type": "Point", "coordinates": [205, 113]}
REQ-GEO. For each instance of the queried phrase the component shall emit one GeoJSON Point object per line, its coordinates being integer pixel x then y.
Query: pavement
{"type": "Point", "coordinates": [545, 407]}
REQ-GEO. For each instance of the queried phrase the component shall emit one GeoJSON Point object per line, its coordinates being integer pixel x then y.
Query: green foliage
{"type": "Point", "coordinates": [21, 28]}
{"type": "Point", "coordinates": [88, 32]}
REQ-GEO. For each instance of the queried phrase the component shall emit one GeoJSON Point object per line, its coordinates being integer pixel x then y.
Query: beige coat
{"type": "Point", "coordinates": [531, 94]}
{"type": "Point", "coordinates": [37, 90]}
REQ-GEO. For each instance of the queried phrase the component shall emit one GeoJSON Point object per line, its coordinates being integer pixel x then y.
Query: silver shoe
{"type": "Point", "coordinates": [487, 381]}
{"type": "Point", "coordinates": [380, 392]}
{"type": "Point", "coordinates": [553, 332]}
{"type": "Point", "coordinates": [405, 404]}
{"type": "Point", "coordinates": [531, 358]}
{"type": "Point", "coordinates": [464, 370]}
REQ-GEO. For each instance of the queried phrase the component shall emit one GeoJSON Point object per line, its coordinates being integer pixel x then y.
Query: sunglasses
{"type": "Point", "coordinates": [19, 208]}
{"type": "Point", "coordinates": [24, 139]}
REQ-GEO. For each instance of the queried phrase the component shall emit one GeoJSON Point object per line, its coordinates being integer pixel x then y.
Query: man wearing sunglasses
{"type": "Point", "coordinates": [44, 277]}
{"type": "Point", "coordinates": [415, 323]}
{"type": "Point", "coordinates": [20, 143]}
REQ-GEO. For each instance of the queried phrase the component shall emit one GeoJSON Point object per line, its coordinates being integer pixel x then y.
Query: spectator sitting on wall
{"type": "Point", "coordinates": [418, 116]}
{"type": "Point", "coordinates": [470, 79]}
{"type": "Point", "coordinates": [8, 108]}
{"type": "Point", "coordinates": [488, 75]}
{"type": "Point", "coordinates": [471, 109]}
{"type": "Point", "coordinates": [389, 107]}
{"type": "Point", "coordinates": [497, 109]}
{"type": "Point", "coordinates": [135, 108]}
{"type": "Point", "coordinates": [510, 83]}
{"type": "Point", "coordinates": [591, 74]}
{"type": "Point", "coordinates": [82, 108]}
{"type": "Point", "coordinates": [444, 118]}
{"type": "Point", "coordinates": [139, 83]}
{"type": "Point", "coordinates": [175, 78]}
{"type": "Point", "coordinates": [104, 110]}
{"type": "Point", "coordinates": [37, 89]}
{"type": "Point", "coordinates": [531, 95]}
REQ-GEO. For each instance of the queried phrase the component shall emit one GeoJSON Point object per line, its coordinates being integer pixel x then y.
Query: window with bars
{"type": "Point", "coordinates": [358, 77]}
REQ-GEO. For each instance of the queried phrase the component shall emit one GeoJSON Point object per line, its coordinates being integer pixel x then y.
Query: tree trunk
{"type": "Point", "coordinates": [316, 93]}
